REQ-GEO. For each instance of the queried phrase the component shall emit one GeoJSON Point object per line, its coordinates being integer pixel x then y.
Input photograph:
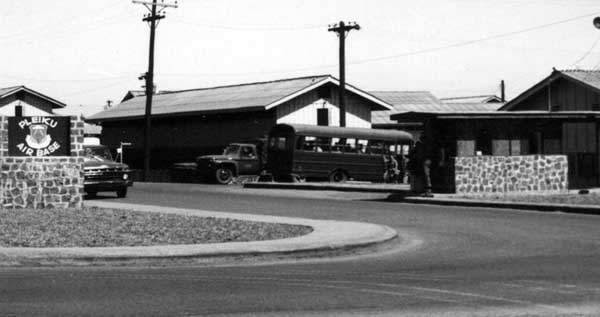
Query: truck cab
{"type": "Point", "coordinates": [102, 173]}
{"type": "Point", "coordinates": [237, 159]}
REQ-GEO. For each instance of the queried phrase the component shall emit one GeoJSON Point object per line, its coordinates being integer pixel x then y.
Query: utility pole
{"type": "Point", "coordinates": [153, 18]}
{"type": "Point", "coordinates": [342, 31]}
{"type": "Point", "coordinates": [502, 88]}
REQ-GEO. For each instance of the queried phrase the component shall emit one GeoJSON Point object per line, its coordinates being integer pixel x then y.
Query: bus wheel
{"type": "Point", "coordinates": [224, 175]}
{"type": "Point", "coordinates": [338, 176]}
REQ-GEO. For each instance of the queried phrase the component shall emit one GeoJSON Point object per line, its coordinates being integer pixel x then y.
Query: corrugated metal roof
{"type": "Point", "coordinates": [422, 102]}
{"type": "Point", "coordinates": [474, 106]}
{"type": "Point", "coordinates": [499, 115]}
{"type": "Point", "coordinates": [4, 91]}
{"type": "Point", "coordinates": [404, 101]}
{"type": "Point", "coordinates": [10, 90]}
{"type": "Point", "coordinates": [590, 77]}
{"type": "Point", "coordinates": [212, 99]}
{"type": "Point", "coordinates": [472, 99]}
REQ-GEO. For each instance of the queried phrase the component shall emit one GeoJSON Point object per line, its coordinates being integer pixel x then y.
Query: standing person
{"type": "Point", "coordinates": [394, 172]}
{"type": "Point", "coordinates": [415, 167]}
{"type": "Point", "coordinates": [427, 177]}
{"type": "Point", "coordinates": [403, 164]}
{"type": "Point", "coordinates": [420, 168]}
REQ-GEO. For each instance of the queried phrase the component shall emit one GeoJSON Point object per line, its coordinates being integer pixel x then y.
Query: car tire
{"type": "Point", "coordinates": [338, 176]}
{"type": "Point", "coordinates": [223, 175]}
{"type": "Point", "coordinates": [122, 192]}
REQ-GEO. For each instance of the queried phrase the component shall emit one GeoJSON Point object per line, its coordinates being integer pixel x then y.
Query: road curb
{"type": "Point", "coordinates": [327, 235]}
{"type": "Point", "coordinates": [581, 209]}
{"type": "Point", "coordinates": [373, 188]}
{"type": "Point", "coordinates": [404, 192]}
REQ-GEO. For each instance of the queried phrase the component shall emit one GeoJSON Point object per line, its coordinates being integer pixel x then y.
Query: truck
{"type": "Point", "coordinates": [237, 159]}
{"type": "Point", "coordinates": [102, 174]}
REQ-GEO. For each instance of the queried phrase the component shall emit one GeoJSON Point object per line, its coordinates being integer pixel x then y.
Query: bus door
{"type": "Point", "coordinates": [280, 155]}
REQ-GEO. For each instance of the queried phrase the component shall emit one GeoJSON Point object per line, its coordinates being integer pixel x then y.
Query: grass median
{"type": "Point", "coordinates": [99, 227]}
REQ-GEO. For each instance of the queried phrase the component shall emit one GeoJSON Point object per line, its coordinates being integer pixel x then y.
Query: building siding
{"type": "Point", "coordinates": [8, 109]}
{"type": "Point", "coordinates": [565, 96]}
{"type": "Point", "coordinates": [183, 138]}
{"type": "Point", "coordinates": [32, 105]}
{"type": "Point", "coordinates": [303, 110]}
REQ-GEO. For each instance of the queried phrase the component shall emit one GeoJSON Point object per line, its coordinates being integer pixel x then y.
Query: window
{"type": "Point", "coordinates": [323, 116]}
{"type": "Point", "coordinates": [18, 110]}
{"type": "Point", "coordinates": [361, 146]}
{"type": "Point", "coordinates": [350, 146]}
{"type": "Point", "coordinates": [247, 152]}
{"type": "Point", "coordinates": [535, 143]}
{"type": "Point", "coordinates": [231, 150]}
{"type": "Point", "coordinates": [375, 147]}
{"type": "Point", "coordinates": [278, 143]}
{"type": "Point", "coordinates": [306, 143]}
{"type": "Point", "coordinates": [483, 143]}
{"type": "Point", "coordinates": [323, 144]}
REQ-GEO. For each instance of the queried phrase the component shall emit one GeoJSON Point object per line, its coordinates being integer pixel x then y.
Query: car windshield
{"type": "Point", "coordinates": [231, 150]}
{"type": "Point", "coordinates": [98, 154]}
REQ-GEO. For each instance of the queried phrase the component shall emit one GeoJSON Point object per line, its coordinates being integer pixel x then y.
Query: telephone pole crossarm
{"type": "Point", "coordinates": [152, 19]}
{"type": "Point", "coordinates": [158, 4]}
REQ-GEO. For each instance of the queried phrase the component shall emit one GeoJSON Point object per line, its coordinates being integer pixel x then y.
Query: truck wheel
{"type": "Point", "coordinates": [122, 192]}
{"type": "Point", "coordinates": [338, 176]}
{"type": "Point", "coordinates": [224, 175]}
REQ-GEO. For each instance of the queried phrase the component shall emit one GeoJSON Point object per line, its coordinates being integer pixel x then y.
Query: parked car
{"type": "Point", "coordinates": [103, 174]}
{"type": "Point", "coordinates": [237, 159]}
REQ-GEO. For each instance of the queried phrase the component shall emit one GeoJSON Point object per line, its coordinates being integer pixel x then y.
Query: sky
{"type": "Point", "coordinates": [84, 52]}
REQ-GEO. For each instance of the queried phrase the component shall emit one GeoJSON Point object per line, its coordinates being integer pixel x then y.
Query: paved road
{"type": "Point", "coordinates": [466, 261]}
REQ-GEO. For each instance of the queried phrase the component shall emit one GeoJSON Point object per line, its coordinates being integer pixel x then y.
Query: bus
{"type": "Point", "coordinates": [333, 153]}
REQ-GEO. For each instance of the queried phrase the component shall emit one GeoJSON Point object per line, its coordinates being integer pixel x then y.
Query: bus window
{"type": "Point", "coordinates": [278, 143]}
{"type": "Point", "coordinates": [375, 147]}
{"type": "Point", "coordinates": [350, 146]}
{"type": "Point", "coordinates": [308, 144]}
{"type": "Point", "coordinates": [361, 146]}
{"type": "Point", "coordinates": [337, 145]}
{"type": "Point", "coordinates": [323, 144]}
{"type": "Point", "coordinates": [389, 148]}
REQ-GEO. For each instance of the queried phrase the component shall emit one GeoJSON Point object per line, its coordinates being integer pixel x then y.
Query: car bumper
{"type": "Point", "coordinates": [105, 186]}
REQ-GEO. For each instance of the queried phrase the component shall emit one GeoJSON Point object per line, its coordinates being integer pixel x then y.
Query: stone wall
{"type": "Point", "coordinates": [42, 182]}
{"type": "Point", "coordinates": [485, 175]}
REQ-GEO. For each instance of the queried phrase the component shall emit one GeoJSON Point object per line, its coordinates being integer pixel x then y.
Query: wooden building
{"type": "Point", "coordinates": [420, 102]}
{"type": "Point", "coordinates": [193, 122]}
{"type": "Point", "coordinates": [558, 115]}
{"type": "Point", "coordinates": [22, 101]}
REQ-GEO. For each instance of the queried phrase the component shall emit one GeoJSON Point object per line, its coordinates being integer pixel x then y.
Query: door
{"type": "Point", "coordinates": [580, 143]}
{"type": "Point", "coordinates": [249, 163]}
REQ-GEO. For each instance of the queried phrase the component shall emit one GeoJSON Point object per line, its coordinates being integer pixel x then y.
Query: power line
{"type": "Point", "coordinates": [84, 91]}
{"type": "Point", "coordinates": [586, 53]}
{"type": "Point", "coordinates": [465, 43]}
{"type": "Point", "coordinates": [412, 53]}
{"type": "Point", "coordinates": [251, 27]}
